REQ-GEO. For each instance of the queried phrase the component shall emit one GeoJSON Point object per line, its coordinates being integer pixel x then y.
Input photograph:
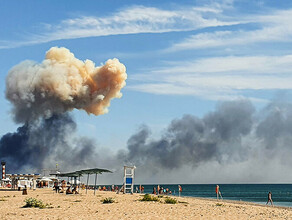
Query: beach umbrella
{"type": "Point", "coordinates": [46, 179]}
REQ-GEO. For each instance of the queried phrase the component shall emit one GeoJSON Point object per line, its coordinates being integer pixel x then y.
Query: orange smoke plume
{"type": "Point", "coordinates": [61, 83]}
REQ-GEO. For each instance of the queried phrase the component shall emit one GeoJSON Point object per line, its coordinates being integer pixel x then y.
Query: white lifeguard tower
{"type": "Point", "coordinates": [129, 179]}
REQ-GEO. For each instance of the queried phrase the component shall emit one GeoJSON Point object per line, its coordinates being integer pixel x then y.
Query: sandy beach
{"type": "Point", "coordinates": [89, 206]}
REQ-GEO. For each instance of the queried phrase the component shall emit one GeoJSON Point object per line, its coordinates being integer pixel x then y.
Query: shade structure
{"type": "Point", "coordinates": [93, 171]}
{"type": "Point", "coordinates": [71, 174]}
{"type": "Point", "coordinates": [83, 172]}
{"type": "Point", "coordinates": [88, 172]}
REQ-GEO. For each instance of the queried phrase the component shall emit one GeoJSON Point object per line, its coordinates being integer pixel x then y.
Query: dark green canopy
{"type": "Point", "coordinates": [83, 172]}
{"type": "Point", "coordinates": [71, 174]}
{"type": "Point", "coordinates": [94, 171]}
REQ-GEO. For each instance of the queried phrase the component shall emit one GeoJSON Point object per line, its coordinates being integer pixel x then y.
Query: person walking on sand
{"type": "Point", "coordinates": [270, 199]}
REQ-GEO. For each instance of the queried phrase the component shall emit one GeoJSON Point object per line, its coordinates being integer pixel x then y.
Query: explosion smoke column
{"type": "Point", "coordinates": [61, 83]}
{"type": "Point", "coordinates": [42, 94]}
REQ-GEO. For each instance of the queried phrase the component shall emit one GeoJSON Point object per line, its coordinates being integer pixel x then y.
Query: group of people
{"type": "Point", "coordinates": [73, 191]}
{"type": "Point", "coordinates": [165, 191]}
{"type": "Point", "coordinates": [161, 190]}
{"type": "Point", "coordinates": [65, 187]}
{"type": "Point", "coordinates": [113, 188]}
{"type": "Point", "coordinates": [141, 189]}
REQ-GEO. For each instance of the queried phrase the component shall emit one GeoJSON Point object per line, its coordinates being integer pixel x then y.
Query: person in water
{"type": "Point", "coordinates": [270, 199]}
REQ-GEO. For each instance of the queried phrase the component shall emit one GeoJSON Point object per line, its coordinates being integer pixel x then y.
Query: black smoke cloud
{"type": "Point", "coordinates": [191, 140]}
{"type": "Point", "coordinates": [275, 128]}
{"type": "Point", "coordinates": [234, 140]}
{"type": "Point", "coordinates": [43, 143]}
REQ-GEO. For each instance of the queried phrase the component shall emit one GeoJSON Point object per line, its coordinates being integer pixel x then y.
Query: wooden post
{"type": "Point", "coordinates": [95, 182]}
{"type": "Point", "coordinates": [79, 183]}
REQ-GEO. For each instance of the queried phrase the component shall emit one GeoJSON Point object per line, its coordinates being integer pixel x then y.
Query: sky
{"type": "Point", "coordinates": [182, 58]}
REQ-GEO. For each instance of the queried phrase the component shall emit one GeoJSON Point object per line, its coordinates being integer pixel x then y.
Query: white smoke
{"type": "Point", "coordinates": [61, 83]}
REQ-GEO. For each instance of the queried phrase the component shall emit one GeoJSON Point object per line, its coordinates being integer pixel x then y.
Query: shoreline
{"type": "Point", "coordinates": [240, 202]}
{"type": "Point", "coordinates": [127, 206]}
{"type": "Point", "coordinates": [220, 200]}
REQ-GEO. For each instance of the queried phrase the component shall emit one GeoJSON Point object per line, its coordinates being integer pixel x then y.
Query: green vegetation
{"type": "Point", "coordinates": [169, 200]}
{"type": "Point", "coordinates": [32, 202]}
{"type": "Point", "coordinates": [108, 200]}
{"type": "Point", "coordinates": [148, 198]}
{"type": "Point", "coordinates": [219, 204]}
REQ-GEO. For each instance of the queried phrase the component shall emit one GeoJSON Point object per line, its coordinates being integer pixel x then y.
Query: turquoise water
{"type": "Point", "coordinates": [257, 193]}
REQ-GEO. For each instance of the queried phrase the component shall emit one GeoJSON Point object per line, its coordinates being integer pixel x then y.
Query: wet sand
{"type": "Point", "coordinates": [89, 206]}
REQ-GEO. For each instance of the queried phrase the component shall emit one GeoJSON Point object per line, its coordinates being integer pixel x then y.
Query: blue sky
{"type": "Point", "coordinates": [182, 57]}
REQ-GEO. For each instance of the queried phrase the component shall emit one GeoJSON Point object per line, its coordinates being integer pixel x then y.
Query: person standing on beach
{"type": "Point", "coordinates": [270, 199]}
{"type": "Point", "coordinates": [154, 190]}
{"type": "Point", "coordinates": [217, 191]}
{"type": "Point", "coordinates": [34, 184]}
{"type": "Point", "coordinates": [179, 190]}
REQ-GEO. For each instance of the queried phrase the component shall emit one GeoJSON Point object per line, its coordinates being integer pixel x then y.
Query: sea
{"type": "Point", "coordinates": [256, 193]}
